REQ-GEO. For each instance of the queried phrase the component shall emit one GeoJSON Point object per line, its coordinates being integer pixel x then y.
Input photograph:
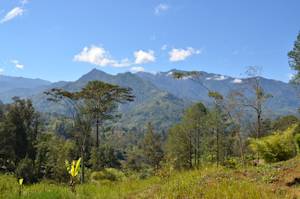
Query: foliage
{"type": "Point", "coordinates": [52, 152]}
{"type": "Point", "coordinates": [277, 147]}
{"type": "Point", "coordinates": [25, 170]}
{"type": "Point", "coordinates": [104, 157]}
{"type": "Point", "coordinates": [134, 160]}
{"type": "Point", "coordinates": [110, 174]}
{"type": "Point", "coordinates": [73, 170]}
{"type": "Point", "coordinates": [19, 132]}
{"type": "Point", "coordinates": [206, 182]}
{"type": "Point", "coordinates": [178, 147]}
{"type": "Point", "coordinates": [152, 148]}
{"type": "Point", "coordinates": [284, 122]}
{"type": "Point", "coordinates": [294, 59]}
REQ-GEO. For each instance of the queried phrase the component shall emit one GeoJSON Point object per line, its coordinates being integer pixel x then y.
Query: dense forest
{"type": "Point", "coordinates": [81, 154]}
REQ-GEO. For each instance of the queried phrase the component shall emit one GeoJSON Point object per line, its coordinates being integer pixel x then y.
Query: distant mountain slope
{"type": "Point", "coordinates": [9, 83]}
{"type": "Point", "coordinates": [160, 98]}
{"type": "Point", "coordinates": [20, 86]}
{"type": "Point", "coordinates": [285, 100]}
{"type": "Point", "coordinates": [150, 105]}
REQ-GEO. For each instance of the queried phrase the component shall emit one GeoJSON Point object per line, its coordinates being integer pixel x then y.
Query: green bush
{"type": "Point", "coordinates": [297, 139]}
{"type": "Point", "coordinates": [280, 146]}
{"type": "Point", "coordinates": [109, 174]}
{"type": "Point", "coordinates": [145, 173]}
{"type": "Point", "coordinates": [26, 170]}
{"type": "Point", "coordinates": [231, 163]}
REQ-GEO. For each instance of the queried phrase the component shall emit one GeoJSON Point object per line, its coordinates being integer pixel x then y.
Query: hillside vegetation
{"type": "Point", "coordinates": [228, 149]}
{"type": "Point", "coordinates": [279, 180]}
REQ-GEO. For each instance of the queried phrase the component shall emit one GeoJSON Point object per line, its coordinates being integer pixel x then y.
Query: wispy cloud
{"type": "Point", "coordinates": [1, 71]}
{"type": "Point", "coordinates": [100, 57]}
{"type": "Point", "coordinates": [161, 8]}
{"type": "Point", "coordinates": [137, 69]}
{"type": "Point", "coordinates": [23, 2]}
{"type": "Point", "coordinates": [17, 64]}
{"type": "Point", "coordinates": [142, 57]}
{"type": "Point", "coordinates": [15, 12]}
{"type": "Point", "coordinates": [181, 54]}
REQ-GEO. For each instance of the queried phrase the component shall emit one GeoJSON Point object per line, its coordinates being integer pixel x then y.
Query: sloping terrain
{"type": "Point", "coordinates": [267, 181]}
{"type": "Point", "coordinates": [159, 97]}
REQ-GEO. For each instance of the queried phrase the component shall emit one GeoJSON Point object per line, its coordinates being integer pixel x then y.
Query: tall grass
{"type": "Point", "coordinates": [208, 183]}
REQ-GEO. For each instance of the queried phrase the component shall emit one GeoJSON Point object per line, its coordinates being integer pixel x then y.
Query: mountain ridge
{"type": "Point", "coordinates": [160, 97]}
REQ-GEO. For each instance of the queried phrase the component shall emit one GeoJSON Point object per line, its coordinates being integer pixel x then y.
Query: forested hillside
{"type": "Point", "coordinates": [156, 92]}
{"type": "Point", "coordinates": [139, 99]}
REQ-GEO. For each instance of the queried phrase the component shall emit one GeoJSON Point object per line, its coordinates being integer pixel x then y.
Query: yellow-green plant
{"type": "Point", "coordinates": [20, 186]}
{"type": "Point", "coordinates": [279, 146]}
{"type": "Point", "coordinates": [73, 169]}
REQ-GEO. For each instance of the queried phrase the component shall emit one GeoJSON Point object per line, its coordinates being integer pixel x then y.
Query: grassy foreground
{"type": "Point", "coordinates": [266, 181]}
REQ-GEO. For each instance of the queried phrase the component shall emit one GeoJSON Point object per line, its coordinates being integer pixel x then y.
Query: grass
{"type": "Point", "coordinates": [263, 182]}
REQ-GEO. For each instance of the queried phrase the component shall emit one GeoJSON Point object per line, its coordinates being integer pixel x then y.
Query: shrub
{"type": "Point", "coordinates": [231, 163]}
{"type": "Point", "coordinates": [297, 139]}
{"type": "Point", "coordinates": [110, 174]}
{"type": "Point", "coordinates": [277, 147]}
{"type": "Point", "coordinates": [145, 173]}
{"type": "Point", "coordinates": [26, 170]}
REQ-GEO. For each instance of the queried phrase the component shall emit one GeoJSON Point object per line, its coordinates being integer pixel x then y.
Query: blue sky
{"type": "Point", "coordinates": [62, 40]}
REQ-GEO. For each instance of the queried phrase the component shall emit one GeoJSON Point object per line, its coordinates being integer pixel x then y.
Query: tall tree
{"type": "Point", "coordinates": [186, 142]}
{"type": "Point", "coordinates": [152, 147]}
{"type": "Point", "coordinates": [19, 131]}
{"type": "Point", "coordinates": [194, 120]}
{"type": "Point", "coordinates": [258, 99]}
{"type": "Point", "coordinates": [294, 59]}
{"type": "Point", "coordinates": [178, 146]}
{"type": "Point", "coordinates": [81, 120]}
{"type": "Point", "coordinates": [101, 99]}
{"type": "Point", "coordinates": [97, 100]}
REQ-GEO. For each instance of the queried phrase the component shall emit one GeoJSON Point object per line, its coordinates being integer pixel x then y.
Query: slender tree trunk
{"type": "Point", "coordinates": [258, 133]}
{"type": "Point", "coordinates": [82, 163]}
{"type": "Point", "coordinates": [198, 147]}
{"type": "Point", "coordinates": [218, 158]}
{"type": "Point", "coordinates": [241, 146]}
{"type": "Point", "coordinates": [258, 125]}
{"type": "Point", "coordinates": [97, 133]}
{"type": "Point", "coordinates": [190, 152]}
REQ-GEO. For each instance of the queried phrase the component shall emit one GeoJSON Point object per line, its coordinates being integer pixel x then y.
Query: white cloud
{"type": "Point", "coordinates": [237, 81]}
{"type": "Point", "coordinates": [220, 78]}
{"type": "Point", "coordinates": [100, 57]}
{"type": "Point", "coordinates": [161, 8]}
{"type": "Point", "coordinates": [1, 71]}
{"type": "Point", "coordinates": [17, 64]}
{"type": "Point", "coordinates": [137, 69]}
{"type": "Point", "coordinates": [142, 57]}
{"type": "Point", "coordinates": [181, 54]}
{"type": "Point", "coordinates": [17, 11]}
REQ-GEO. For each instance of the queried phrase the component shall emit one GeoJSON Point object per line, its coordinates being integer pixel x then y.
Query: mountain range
{"type": "Point", "coordinates": [160, 99]}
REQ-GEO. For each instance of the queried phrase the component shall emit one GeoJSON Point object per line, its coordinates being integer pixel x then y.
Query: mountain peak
{"type": "Point", "coordinates": [94, 74]}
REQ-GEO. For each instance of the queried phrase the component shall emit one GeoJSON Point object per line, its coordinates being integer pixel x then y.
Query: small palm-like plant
{"type": "Point", "coordinates": [20, 181]}
{"type": "Point", "coordinates": [73, 169]}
